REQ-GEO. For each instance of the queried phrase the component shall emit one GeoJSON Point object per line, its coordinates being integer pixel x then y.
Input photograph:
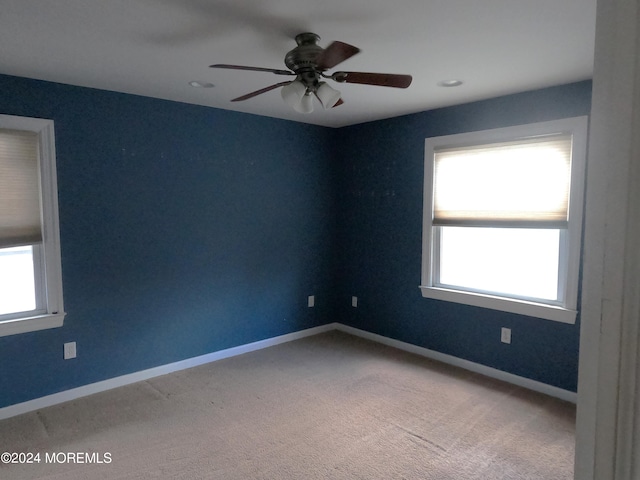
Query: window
{"type": "Point", "coordinates": [30, 271]}
{"type": "Point", "coordinates": [503, 218]}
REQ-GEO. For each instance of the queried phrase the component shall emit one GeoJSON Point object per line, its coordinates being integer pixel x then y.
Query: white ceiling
{"type": "Point", "coordinates": [155, 47]}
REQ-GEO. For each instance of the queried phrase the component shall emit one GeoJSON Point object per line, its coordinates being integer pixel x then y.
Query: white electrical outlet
{"type": "Point", "coordinates": [505, 335]}
{"type": "Point", "coordinates": [69, 350]}
{"type": "Point", "coordinates": [311, 301]}
{"type": "Point", "coordinates": [354, 302]}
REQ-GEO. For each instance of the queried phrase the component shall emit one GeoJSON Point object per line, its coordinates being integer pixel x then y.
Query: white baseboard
{"type": "Point", "coordinates": [466, 364]}
{"type": "Point", "coordinates": [85, 390]}
{"type": "Point", "coordinates": [74, 393]}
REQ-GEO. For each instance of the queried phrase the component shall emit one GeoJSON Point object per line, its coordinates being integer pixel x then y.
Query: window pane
{"type": "Point", "coordinates": [17, 285]}
{"type": "Point", "coordinates": [513, 261]}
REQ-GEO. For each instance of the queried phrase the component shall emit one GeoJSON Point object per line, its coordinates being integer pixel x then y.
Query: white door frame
{"type": "Point", "coordinates": [608, 424]}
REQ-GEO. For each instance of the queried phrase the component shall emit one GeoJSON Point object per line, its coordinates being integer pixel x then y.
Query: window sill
{"type": "Point", "coordinates": [531, 309]}
{"type": "Point", "coordinates": [31, 324]}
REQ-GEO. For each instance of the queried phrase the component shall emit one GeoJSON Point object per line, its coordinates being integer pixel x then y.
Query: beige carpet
{"type": "Point", "coordinates": [326, 407]}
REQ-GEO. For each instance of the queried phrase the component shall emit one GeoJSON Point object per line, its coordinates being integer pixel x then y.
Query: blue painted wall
{"type": "Point", "coordinates": [378, 249]}
{"type": "Point", "coordinates": [184, 230]}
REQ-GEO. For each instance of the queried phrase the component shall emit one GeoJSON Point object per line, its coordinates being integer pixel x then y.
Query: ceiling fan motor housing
{"type": "Point", "coordinates": [302, 59]}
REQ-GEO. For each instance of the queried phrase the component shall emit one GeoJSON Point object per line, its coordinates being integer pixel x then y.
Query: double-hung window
{"type": "Point", "coordinates": [30, 270]}
{"type": "Point", "coordinates": [503, 218]}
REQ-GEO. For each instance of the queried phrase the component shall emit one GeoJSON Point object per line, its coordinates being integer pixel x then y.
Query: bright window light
{"type": "Point", "coordinates": [510, 261]}
{"type": "Point", "coordinates": [503, 182]}
{"type": "Point", "coordinates": [17, 285]}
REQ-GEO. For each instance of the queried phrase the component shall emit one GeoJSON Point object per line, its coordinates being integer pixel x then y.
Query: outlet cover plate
{"type": "Point", "coordinates": [69, 350]}
{"type": "Point", "coordinates": [505, 335]}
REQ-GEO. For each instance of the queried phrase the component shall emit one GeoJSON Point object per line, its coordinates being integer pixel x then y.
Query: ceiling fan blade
{"type": "Point", "coordinates": [338, 103]}
{"type": "Point", "coordinates": [258, 92]}
{"type": "Point", "coordinates": [255, 69]}
{"type": "Point", "coordinates": [380, 79]}
{"type": "Point", "coordinates": [334, 54]}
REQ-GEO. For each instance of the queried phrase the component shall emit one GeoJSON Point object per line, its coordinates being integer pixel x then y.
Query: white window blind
{"type": "Point", "coordinates": [20, 222]}
{"type": "Point", "coordinates": [522, 183]}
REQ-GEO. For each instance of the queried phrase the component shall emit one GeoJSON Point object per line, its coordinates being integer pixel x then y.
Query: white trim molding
{"type": "Point", "coordinates": [86, 390]}
{"type": "Point", "coordinates": [31, 324]}
{"type": "Point", "coordinates": [465, 364]}
{"type": "Point", "coordinates": [512, 305]}
{"type": "Point", "coordinates": [608, 418]}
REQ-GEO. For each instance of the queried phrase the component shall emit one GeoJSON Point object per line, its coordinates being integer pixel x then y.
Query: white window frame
{"type": "Point", "coordinates": [48, 268]}
{"type": "Point", "coordinates": [566, 310]}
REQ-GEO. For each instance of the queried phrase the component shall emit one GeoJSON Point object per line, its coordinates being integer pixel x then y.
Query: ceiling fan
{"type": "Point", "coordinates": [308, 62]}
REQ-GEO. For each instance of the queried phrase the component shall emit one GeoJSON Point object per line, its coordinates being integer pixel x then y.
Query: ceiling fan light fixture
{"type": "Point", "coordinates": [454, 82]}
{"type": "Point", "coordinates": [305, 105]}
{"type": "Point", "coordinates": [293, 93]}
{"type": "Point", "coordinates": [328, 95]}
{"type": "Point", "coordinates": [198, 84]}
